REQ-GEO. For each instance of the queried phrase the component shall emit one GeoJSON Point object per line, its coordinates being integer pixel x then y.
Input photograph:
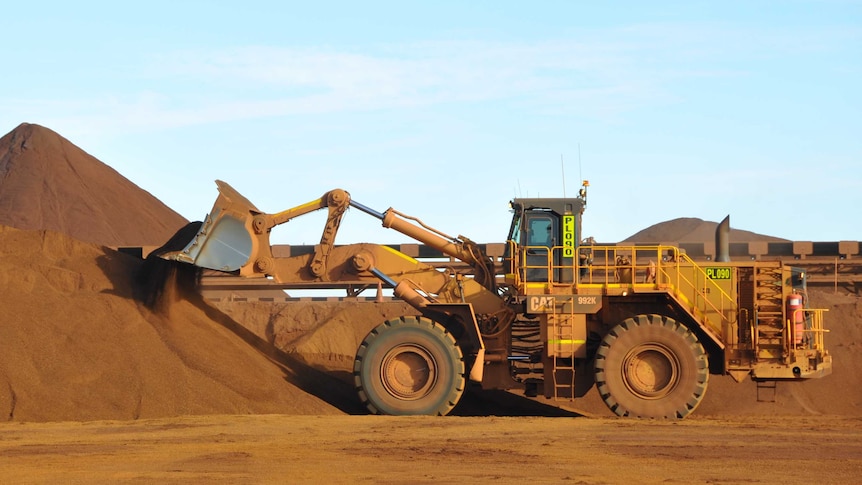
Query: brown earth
{"type": "Point", "coordinates": [385, 449]}
{"type": "Point", "coordinates": [46, 182]}
{"type": "Point", "coordinates": [692, 229]}
{"type": "Point", "coordinates": [77, 346]}
{"type": "Point", "coordinates": [179, 383]}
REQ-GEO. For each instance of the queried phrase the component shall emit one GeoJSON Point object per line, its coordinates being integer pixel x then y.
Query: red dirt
{"type": "Point", "coordinates": [46, 182]}
{"type": "Point", "coordinates": [434, 450]}
{"type": "Point", "coordinates": [692, 229]}
{"type": "Point", "coordinates": [77, 346]}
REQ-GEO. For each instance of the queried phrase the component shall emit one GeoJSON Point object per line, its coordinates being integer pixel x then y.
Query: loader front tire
{"type": "Point", "coordinates": [651, 366]}
{"type": "Point", "coordinates": [409, 366]}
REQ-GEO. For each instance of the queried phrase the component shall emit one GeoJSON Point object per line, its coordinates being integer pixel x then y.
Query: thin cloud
{"type": "Point", "coordinates": [602, 74]}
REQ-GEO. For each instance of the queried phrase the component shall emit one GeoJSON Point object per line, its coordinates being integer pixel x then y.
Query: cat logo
{"type": "Point", "coordinates": [541, 304]}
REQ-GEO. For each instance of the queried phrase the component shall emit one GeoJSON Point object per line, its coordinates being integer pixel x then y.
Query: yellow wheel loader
{"type": "Point", "coordinates": [553, 317]}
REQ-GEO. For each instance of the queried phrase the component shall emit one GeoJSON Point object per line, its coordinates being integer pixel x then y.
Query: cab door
{"type": "Point", "coordinates": [540, 238]}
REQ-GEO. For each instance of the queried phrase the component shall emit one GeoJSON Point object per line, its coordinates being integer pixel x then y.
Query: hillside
{"type": "Point", "coordinates": [691, 229]}
{"type": "Point", "coordinates": [76, 343]}
{"type": "Point", "coordinates": [46, 182]}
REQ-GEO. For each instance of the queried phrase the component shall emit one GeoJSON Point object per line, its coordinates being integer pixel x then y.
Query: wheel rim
{"type": "Point", "coordinates": [408, 372]}
{"type": "Point", "coordinates": [651, 371]}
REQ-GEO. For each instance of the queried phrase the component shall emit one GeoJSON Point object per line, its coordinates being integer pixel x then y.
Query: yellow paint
{"type": "Point", "coordinates": [307, 207]}
{"type": "Point", "coordinates": [399, 253]}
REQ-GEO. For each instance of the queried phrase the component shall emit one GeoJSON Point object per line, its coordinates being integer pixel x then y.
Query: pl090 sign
{"type": "Point", "coordinates": [568, 236]}
{"type": "Point", "coordinates": [723, 273]}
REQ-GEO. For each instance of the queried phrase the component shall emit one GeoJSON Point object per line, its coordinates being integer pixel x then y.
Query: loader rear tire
{"type": "Point", "coordinates": [651, 366]}
{"type": "Point", "coordinates": [409, 366]}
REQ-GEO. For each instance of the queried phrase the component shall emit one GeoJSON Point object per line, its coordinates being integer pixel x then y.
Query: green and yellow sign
{"type": "Point", "coordinates": [719, 273]}
{"type": "Point", "coordinates": [568, 236]}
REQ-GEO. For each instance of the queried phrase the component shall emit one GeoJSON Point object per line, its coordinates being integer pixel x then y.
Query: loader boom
{"type": "Point", "coordinates": [235, 237]}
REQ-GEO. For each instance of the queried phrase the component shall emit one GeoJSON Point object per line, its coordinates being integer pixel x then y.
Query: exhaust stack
{"type": "Point", "coordinates": [722, 241]}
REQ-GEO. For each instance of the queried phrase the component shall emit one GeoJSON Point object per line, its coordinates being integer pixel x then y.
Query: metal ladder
{"type": "Point", "coordinates": [561, 340]}
{"type": "Point", "coordinates": [769, 305]}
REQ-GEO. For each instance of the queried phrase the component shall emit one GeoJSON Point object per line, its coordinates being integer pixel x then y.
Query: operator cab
{"type": "Point", "coordinates": [545, 233]}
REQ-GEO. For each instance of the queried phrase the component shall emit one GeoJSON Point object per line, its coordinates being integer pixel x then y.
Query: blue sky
{"type": "Point", "coordinates": [446, 110]}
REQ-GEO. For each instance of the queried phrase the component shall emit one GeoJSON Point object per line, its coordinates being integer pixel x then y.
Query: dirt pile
{"type": "Point", "coordinates": [692, 229]}
{"type": "Point", "coordinates": [76, 345]}
{"type": "Point", "coordinates": [46, 182]}
{"type": "Point", "coordinates": [74, 342]}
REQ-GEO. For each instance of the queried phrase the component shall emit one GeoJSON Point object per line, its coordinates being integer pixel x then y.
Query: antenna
{"type": "Point", "coordinates": [563, 170]}
{"type": "Point", "coordinates": [580, 172]}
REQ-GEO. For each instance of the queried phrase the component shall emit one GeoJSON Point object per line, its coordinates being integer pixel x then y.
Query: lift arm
{"type": "Point", "coordinates": [235, 238]}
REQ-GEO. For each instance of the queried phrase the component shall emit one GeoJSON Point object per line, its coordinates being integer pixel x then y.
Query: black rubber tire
{"type": "Point", "coordinates": [651, 366]}
{"type": "Point", "coordinates": [409, 366]}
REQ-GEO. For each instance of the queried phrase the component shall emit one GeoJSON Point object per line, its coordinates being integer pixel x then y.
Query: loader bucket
{"type": "Point", "coordinates": [223, 242]}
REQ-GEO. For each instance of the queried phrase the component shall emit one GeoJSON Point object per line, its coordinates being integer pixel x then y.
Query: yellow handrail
{"type": "Point", "coordinates": [700, 295]}
{"type": "Point", "coordinates": [625, 266]}
{"type": "Point", "coordinates": [816, 328]}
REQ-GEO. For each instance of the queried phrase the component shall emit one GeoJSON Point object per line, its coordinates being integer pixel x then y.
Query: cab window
{"type": "Point", "coordinates": [541, 231]}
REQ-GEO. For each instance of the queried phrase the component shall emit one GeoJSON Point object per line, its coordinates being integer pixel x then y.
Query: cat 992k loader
{"type": "Point", "coordinates": [554, 317]}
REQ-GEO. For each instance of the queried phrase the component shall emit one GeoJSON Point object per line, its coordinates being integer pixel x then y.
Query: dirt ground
{"type": "Point", "coordinates": [378, 449]}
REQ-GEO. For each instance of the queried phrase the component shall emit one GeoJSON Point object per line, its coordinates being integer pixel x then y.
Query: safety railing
{"type": "Point", "coordinates": [646, 268]}
{"type": "Point", "coordinates": [807, 322]}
